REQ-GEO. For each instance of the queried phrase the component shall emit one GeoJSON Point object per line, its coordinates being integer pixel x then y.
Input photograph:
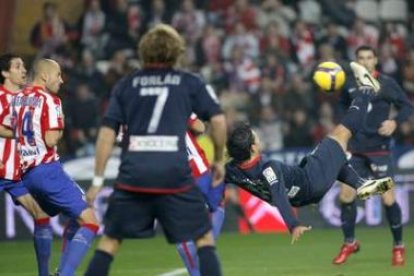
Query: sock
{"type": "Point", "coordinates": [209, 262]}
{"type": "Point", "coordinates": [42, 238]}
{"type": "Point", "coordinates": [355, 116]}
{"type": "Point", "coordinates": [393, 214]}
{"type": "Point", "coordinates": [188, 253]}
{"type": "Point", "coordinates": [69, 232]}
{"type": "Point", "coordinates": [217, 219]}
{"type": "Point", "coordinates": [349, 176]}
{"type": "Point", "coordinates": [78, 248]}
{"type": "Point", "coordinates": [99, 264]}
{"type": "Point", "coordinates": [348, 217]}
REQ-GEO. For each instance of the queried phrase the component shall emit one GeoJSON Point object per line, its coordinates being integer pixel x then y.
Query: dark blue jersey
{"type": "Point", "coordinates": [390, 94]}
{"type": "Point", "coordinates": [274, 182]}
{"type": "Point", "coordinates": [154, 105]}
{"type": "Point", "coordinates": [284, 186]}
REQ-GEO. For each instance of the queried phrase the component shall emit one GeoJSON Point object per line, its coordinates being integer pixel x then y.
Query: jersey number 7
{"type": "Point", "coordinates": [162, 94]}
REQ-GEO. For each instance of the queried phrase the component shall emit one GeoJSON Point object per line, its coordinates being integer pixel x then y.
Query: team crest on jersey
{"type": "Point", "coordinates": [270, 176]}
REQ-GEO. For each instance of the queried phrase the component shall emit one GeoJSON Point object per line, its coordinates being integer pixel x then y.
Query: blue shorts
{"type": "Point", "coordinates": [54, 190]}
{"type": "Point", "coordinates": [212, 195]}
{"type": "Point", "coordinates": [183, 216]}
{"type": "Point", "coordinates": [14, 188]}
{"type": "Point", "coordinates": [375, 167]}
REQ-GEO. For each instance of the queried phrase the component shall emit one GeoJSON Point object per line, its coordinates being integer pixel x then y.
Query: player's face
{"type": "Point", "coordinates": [54, 80]}
{"type": "Point", "coordinates": [367, 59]}
{"type": "Point", "coordinates": [17, 73]}
{"type": "Point", "coordinates": [257, 146]}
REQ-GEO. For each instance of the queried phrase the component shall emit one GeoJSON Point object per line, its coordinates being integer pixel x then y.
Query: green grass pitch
{"type": "Point", "coordinates": [269, 254]}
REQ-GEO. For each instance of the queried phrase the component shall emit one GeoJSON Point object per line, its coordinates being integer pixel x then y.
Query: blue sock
{"type": "Point", "coordinates": [69, 232]}
{"type": "Point", "coordinates": [188, 253]}
{"type": "Point", "coordinates": [349, 176]}
{"type": "Point", "coordinates": [217, 219]}
{"type": "Point", "coordinates": [78, 248]}
{"type": "Point", "coordinates": [348, 217]}
{"type": "Point", "coordinates": [42, 238]}
{"type": "Point", "coordinates": [355, 116]}
{"type": "Point", "coordinates": [393, 213]}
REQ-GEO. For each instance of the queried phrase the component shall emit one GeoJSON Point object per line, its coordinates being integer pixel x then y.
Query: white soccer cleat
{"type": "Point", "coordinates": [363, 77]}
{"type": "Point", "coordinates": [375, 187]}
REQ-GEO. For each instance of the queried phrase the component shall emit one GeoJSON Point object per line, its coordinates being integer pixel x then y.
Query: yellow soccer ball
{"type": "Point", "coordinates": [329, 76]}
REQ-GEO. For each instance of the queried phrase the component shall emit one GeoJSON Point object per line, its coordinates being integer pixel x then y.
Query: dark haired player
{"type": "Point", "coordinates": [285, 186]}
{"type": "Point", "coordinates": [371, 156]}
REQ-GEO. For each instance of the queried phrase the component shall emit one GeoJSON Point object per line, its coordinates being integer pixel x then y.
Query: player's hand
{"type": "Point", "coordinates": [218, 173]}
{"type": "Point", "coordinates": [92, 193]}
{"type": "Point", "coordinates": [298, 231]}
{"type": "Point", "coordinates": [387, 128]}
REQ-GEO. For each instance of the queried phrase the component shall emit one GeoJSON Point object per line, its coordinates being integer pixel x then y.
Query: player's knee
{"type": "Point", "coordinates": [347, 195]}
{"type": "Point", "coordinates": [388, 198]}
{"type": "Point", "coordinates": [88, 217]}
{"type": "Point", "coordinates": [206, 240]}
{"type": "Point", "coordinates": [109, 245]}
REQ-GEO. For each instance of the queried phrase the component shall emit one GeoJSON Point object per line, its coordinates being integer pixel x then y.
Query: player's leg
{"type": "Point", "coordinates": [105, 252]}
{"type": "Point", "coordinates": [138, 222]}
{"type": "Point", "coordinates": [184, 217]}
{"type": "Point", "coordinates": [61, 194]}
{"type": "Point", "coordinates": [213, 197]}
{"type": "Point", "coordinates": [382, 166]}
{"type": "Point", "coordinates": [69, 231]}
{"type": "Point", "coordinates": [43, 235]}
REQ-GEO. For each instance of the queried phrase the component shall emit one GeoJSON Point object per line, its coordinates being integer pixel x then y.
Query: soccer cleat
{"type": "Point", "coordinates": [347, 250]}
{"type": "Point", "coordinates": [398, 256]}
{"type": "Point", "coordinates": [374, 187]}
{"type": "Point", "coordinates": [363, 77]}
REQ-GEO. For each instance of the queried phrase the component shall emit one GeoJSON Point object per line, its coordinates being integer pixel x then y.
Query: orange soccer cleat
{"type": "Point", "coordinates": [347, 250]}
{"type": "Point", "coordinates": [398, 256]}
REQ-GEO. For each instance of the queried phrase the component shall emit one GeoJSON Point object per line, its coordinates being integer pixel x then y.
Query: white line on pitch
{"type": "Point", "coordinates": [175, 272]}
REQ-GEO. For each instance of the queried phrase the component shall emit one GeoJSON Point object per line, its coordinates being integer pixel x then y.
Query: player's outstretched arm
{"type": "Point", "coordinates": [219, 136]}
{"type": "Point", "coordinates": [299, 231]}
{"type": "Point", "coordinates": [104, 145]}
{"type": "Point", "coordinates": [6, 132]}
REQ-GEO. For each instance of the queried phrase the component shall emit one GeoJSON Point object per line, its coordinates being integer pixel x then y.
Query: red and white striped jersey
{"type": "Point", "coordinates": [196, 156]}
{"type": "Point", "coordinates": [35, 111]}
{"type": "Point", "coordinates": [8, 147]}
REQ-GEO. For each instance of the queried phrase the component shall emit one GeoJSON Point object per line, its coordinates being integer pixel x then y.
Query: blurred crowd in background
{"type": "Point", "coordinates": [258, 55]}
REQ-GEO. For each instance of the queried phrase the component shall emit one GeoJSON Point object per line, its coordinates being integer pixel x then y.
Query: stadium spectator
{"type": "Point", "coordinates": [92, 28]}
{"type": "Point", "coordinates": [50, 33]}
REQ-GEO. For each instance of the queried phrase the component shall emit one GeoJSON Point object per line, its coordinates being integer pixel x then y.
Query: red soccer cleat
{"type": "Point", "coordinates": [398, 256]}
{"type": "Point", "coordinates": [346, 250]}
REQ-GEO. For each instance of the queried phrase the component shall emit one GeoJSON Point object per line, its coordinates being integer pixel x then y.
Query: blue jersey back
{"type": "Point", "coordinates": [154, 105]}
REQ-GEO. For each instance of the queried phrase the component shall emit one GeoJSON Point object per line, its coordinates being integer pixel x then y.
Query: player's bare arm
{"type": "Point", "coordinates": [299, 231]}
{"type": "Point", "coordinates": [104, 145]}
{"type": "Point", "coordinates": [6, 132]}
{"type": "Point", "coordinates": [52, 137]}
{"type": "Point", "coordinates": [197, 127]}
{"type": "Point", "coordinates": [219, 136]}
{"type": "Point", "coordinates": [387, 128]}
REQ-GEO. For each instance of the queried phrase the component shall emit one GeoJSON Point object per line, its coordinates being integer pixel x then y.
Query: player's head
{"type": "Point", "coordinates": [12, 70]}
{"type": "Point", "coordinates": [161, 46]}
{"type": "Point", "coordinates": [367, 56]}
{"type": "Point", "coordinates": [47, 72]}
{"type": "Point", "coordinates": [243, 143]}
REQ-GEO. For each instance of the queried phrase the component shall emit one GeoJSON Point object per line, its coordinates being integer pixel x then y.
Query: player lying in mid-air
{"type": "Point", "coordinates": [285, 186]}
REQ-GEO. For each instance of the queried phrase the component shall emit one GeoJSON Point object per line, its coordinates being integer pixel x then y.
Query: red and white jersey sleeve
{"type": "Point", "coordinates": [196, 156]}
{"type": "Point", "coordinates": [36, 112]}
{"type": "Point", "coordinates": [8, 147]}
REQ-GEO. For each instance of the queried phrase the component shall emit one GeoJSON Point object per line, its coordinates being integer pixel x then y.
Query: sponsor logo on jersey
{"type": "Point", "coordinates": [153, 143]}
{"type": "Point", "coordinates": [294, 190]}
{"type": "Point", "coordinates": [270, 176]}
